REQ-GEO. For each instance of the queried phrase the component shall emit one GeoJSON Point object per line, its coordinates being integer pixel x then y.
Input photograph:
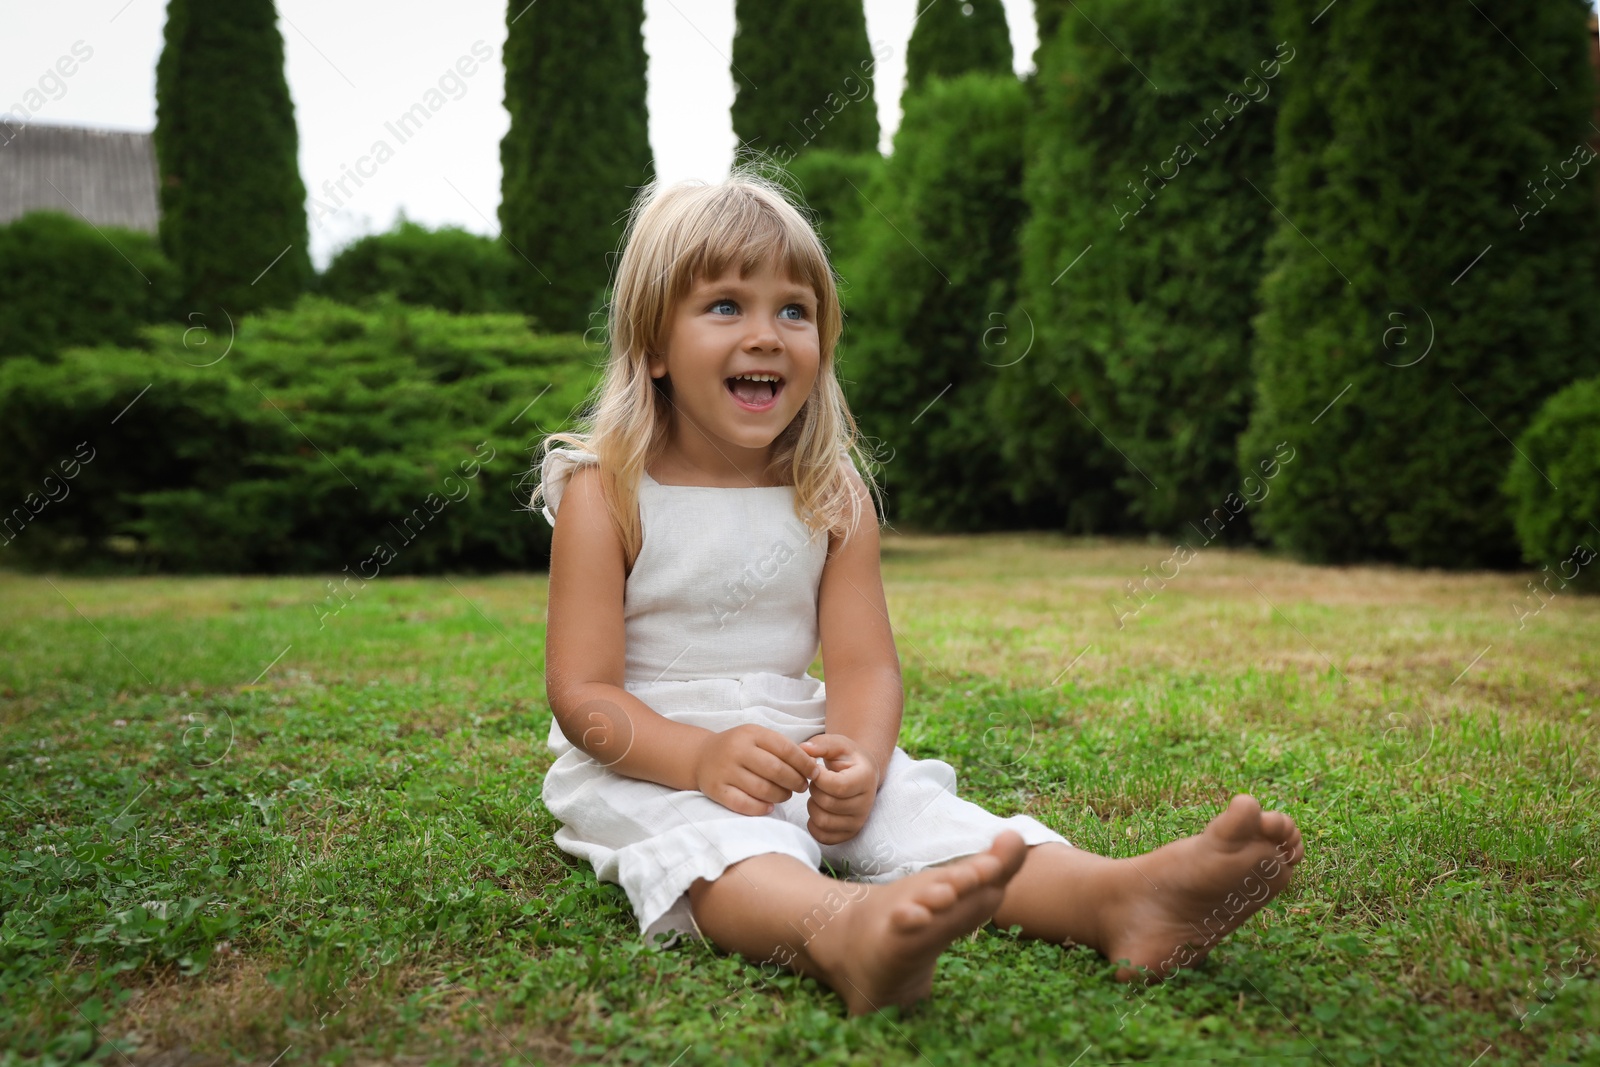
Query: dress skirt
{"type": "Point", "coordinates": [655, 841]}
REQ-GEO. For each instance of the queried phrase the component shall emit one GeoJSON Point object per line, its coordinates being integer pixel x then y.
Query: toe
{"type": "Point", "coordinates": [939, 896]}
{"type": "Point", "coordinates": [1011, 850]}
{"type": "Point", "coordinates": [1241, 822]}
{"type": "Point", "coordinates": [910, 916]}
{"type": "Point", "coordinates": [1278, 826]}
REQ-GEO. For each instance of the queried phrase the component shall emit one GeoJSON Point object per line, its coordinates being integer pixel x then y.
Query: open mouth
{"type": "Point", "coordinates": [755, 392]}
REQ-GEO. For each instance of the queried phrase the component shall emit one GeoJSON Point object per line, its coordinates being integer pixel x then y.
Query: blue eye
{"type": "Point", "coordinates": [801, 308]}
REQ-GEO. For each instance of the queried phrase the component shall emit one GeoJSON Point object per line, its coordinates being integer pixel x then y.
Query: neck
{"type": "Point", "coordinates": [700, 462]}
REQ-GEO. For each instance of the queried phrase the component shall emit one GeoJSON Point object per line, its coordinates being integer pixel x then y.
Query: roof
{"type": "Point", "coordinates": [106, 176]}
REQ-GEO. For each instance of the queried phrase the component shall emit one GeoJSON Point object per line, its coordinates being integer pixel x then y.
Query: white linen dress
{"type": "Point", "coordinates": [721, 626]}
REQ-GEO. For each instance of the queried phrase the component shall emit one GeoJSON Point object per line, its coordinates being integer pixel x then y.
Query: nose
{"type": "Point", "coordinates": [765, 340]}
{"type": "Point", "coordinates": [763, 336]}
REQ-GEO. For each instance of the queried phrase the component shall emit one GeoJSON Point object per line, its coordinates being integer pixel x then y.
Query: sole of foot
{"type": "Point", "coordinates": [1184, 897]}
{"type": "Point", "coordinates": [884, 950]}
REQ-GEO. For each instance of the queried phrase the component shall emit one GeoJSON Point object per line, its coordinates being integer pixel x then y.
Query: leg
{"type": "Point", "coordinates": [874, 945]}
{"type": "Point", "coordinates": [1167, 908]}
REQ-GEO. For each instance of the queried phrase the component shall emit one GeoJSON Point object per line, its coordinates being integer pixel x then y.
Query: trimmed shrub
{"type": "Point", "coordinates": [1554, 487]}
{"type": "Point", "coordinates": [1141, 260]}
{"type": "Point", "coordinates": [328, 438]}
{"type": "Point", "coordinates": [803, 77]}
{"type": "Point", "coordinates": [448, 268]}
{"type": "Point", "coordinates": [63, 283]}
{"type": "Point", "coordinates": [1432, 278]}
{"type": "Point", "coordinates": [836, 186]}
{"type": "Point", "coordinates": [953, 37]}
{"type": "Point", "coordinates": [576, 152]}
{"type": "Point", "coordinates": [233, 206]}
{"type": "Point", "coordinates": [927, 299]}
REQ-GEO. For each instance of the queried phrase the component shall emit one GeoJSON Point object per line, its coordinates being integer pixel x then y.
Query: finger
{"type": "Point", "coordinates": [828, 745]}
{"type": "Point", "coordinates": [839, 753]}
{"type": "Point", "coordinates": [832, 832]}
{"type": "Point", "coordinates": [790, 753]}
{"type": "Point", "coordinates": [841, 785]}
{"type": "Point", "coordinates": [774, 769]}
{"type": "Point", "coordinates": [760, 788]}
{"type": "Point", "coordinates": [735, 799]}
{"type": "Point", "coordinates": [857, 809]}
{"type": "Point", "coordinates": [821, 801]}
{"type": "Point", "coordinates": [827, 823]}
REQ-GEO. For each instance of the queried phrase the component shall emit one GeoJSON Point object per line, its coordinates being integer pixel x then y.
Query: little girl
{"type": "Point", "coordinates": [710, 537]}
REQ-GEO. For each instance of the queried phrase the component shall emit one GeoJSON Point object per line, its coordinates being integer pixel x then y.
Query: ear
{"type": "Point", "coordinates": [656, 365]}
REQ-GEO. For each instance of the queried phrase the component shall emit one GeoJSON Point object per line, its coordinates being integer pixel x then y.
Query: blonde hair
{"type": "Point", "coordinates": [676, 237]}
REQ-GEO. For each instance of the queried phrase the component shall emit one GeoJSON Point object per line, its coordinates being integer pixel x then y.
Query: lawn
{"type": "Point", "coordinates": [240, 824]}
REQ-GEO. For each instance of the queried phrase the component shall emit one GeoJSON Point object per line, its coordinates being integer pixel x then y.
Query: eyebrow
{"type": "Point", "coordinates": [707, 288]}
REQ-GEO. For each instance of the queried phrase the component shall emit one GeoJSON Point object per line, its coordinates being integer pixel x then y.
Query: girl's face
{"type": "Point", "coordinates": [726, 327]}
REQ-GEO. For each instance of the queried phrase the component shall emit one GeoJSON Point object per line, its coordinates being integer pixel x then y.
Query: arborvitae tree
{"type": "Point", "coordinates": [577, 151]}
{"type": "Point", "coordinates": [952, 37]}
{"type": "Point", "coordinates": [1143, 254]}
{"type": "Point", "coordinates": [1433, 273]}
{"type": "Point", "coordinates": [233, 215]}
{"type": "Point", "coordinates": [836, 187]}
{"type": "Point", "coordinates": [926, 301]}
{"type": "Point", "coordinates": [802, 75]}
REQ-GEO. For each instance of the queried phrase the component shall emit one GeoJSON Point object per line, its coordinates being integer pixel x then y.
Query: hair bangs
{"type": "Point", "coordinates": [742, 231]}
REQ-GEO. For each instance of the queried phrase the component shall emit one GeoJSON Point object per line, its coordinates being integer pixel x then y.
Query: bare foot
{"type": "Point", "coordinates": [883, 949]}
{"type": "Point", "coordinates": [1184, 897]}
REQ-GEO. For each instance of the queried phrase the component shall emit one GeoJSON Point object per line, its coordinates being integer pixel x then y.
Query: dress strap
{"type": "Point", "coordinates": [554, 470]}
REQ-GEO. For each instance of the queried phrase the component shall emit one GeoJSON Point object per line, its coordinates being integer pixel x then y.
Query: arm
{"type": "Point", "coordinates": [585, 650]}
{"type": "Point", "coordinates": [865, 697]}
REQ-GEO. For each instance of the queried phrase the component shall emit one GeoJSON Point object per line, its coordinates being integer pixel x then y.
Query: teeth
{"type": "Point", "coordinates": [758, 377]}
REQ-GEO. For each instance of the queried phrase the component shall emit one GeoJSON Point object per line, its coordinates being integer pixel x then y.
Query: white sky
{"type": "Point", "coordinates": [355, 65]}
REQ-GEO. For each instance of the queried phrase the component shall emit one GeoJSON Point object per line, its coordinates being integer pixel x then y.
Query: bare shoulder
{"type": "Point", "coordinates": [852, 612]}
{"type": "Point", "coordinates": [865, 537]}
{"type": "Point", "coordinates": [584, 638]}
{"type": "Point", "coordinates": [582, 490]}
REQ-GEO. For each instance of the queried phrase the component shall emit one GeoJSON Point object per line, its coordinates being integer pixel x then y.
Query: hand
{"type": "Point", "coordinates": [751, 769]}
{"type": "Point", "coordinates": [843, 793]}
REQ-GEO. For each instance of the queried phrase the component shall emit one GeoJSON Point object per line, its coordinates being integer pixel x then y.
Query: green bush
{"type": "Point", "coordinates": [575, 154]}
{"type": "Point", "coordinates": [1140, 261]}
{"type": "Point", "coordinates": [927, 299]}
{"type": "Point", "coordinates": [448, 268]}
{"type": "Point", "coordinates": [1430, 280]}
{"type": "Point", "coordinates": [322, 435]}
{"type": "Point", "coordinates": [787, 99]}
{"type": "Point", "coordinates": [64, 283]}
{"type": "Point", "coordinates": [948, 40]}
{"type": "Point", "coordinates": [837, 187]}
{"type": "Point", "coordinates": [1560, 448]}
{"type": "Point", "coordinates": [233, 206]}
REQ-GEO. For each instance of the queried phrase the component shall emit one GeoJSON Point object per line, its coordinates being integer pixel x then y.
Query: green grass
{"type": "Point", "coordinates": [229, 834]}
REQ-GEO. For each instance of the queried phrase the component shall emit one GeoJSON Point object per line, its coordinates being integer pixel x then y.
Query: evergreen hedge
{"type": "Point", "coordinates": [837, 187]}
{"type": "Point", "coordinates": [233, 216]}
{"type": "Point", "coordinates": [1554, 486]}
{"type": "Point", "coordinates": [448, 268]}
{"type": "Point", "coordinates": [324, 433]}
{"type": "Point", "coordinates": [62, 282]}
{"type": "Point", "coordinates": [953, 37]}
{"type": "Point", "coordinates": [803, 77]}
{"type": "Point", "coordinates": [1432, 277]}
{"type": "Point", "coordinates": [926, 304]}
{"type": "Point", "coordinates": [1141, 262]}
{"type": "Point", "coordinates": [576, 153]}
